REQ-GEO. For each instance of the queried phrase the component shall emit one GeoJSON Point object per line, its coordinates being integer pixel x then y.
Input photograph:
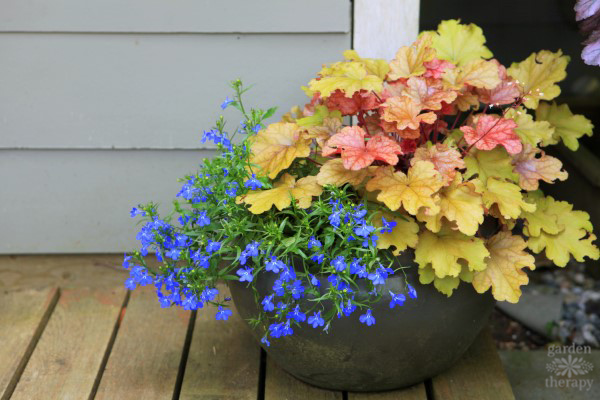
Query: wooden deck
{"type": "Point", "coordinates": [99, 343]}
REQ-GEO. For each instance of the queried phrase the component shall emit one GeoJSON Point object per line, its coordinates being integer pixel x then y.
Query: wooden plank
{"type": "Point", "coordinates": [175, 16]}
{"type": "Point", "coordinates": [70, 352]}
{"type": "Point", "coordinates": [279, 385]}
{"type": "Point", "coordinates": [381, 27]}
{"type": "Point", "coordinates": [23, 317]}
{"type": "Point", "coordinates": [416, 392]}
{"type": "Point", "coordinates": [223, 361]}
{"type": "Point", "coordinates": [478, 375]}
{"type": "Point", "coordinates": [145, 358]}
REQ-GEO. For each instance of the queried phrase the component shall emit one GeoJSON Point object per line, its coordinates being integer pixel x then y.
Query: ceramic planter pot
{"type": "Point", "coordinates": [407, 345]}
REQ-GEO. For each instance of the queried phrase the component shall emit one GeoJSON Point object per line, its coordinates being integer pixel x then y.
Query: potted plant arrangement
{"type": "Point", "coordinates": [365, 236]}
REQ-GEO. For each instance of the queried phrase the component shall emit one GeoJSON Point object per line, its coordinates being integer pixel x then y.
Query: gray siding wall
{"type": "Point", "coordinates": [102, 102]}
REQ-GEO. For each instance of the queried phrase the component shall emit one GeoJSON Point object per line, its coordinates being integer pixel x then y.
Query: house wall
{"type": "Point", "coordinates": [102, 102]}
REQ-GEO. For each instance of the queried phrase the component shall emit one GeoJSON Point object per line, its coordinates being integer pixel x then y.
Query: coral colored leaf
{"type": "Point", "coordinates": [506, 92]}
{"type": "Point", "coordinates": [460, 43]}
{"type": "Point", "coordinates": [568, 127]}
{"type": "Point", "coordinates": [575, 237]}
{"type": "Point", "coordinates": [427, 97]}
{"type": "Point", "coordinates": [496, 163]}
{"type": "Point", "coordinates": [413, 191]}
{"type": "Point", "coordinates": [533, 169]}
{"type": "Point", "coordinates": [349, 77]}
{"type": "Point", "coordinates": [507, 197]}
{"type": "Point", "coordinates": [436, 68]}
{"type": "Point", "coordinates": [282, 193]}
{"type": "Point", "coordinates": [275, 148]}
{"type": "Point", "coordinates": [445, 159]}
{"type": "Point", "coordinates": [504, 272]}
{"type": "Point", "coordinates": [410, 60]}
{"type": "Point", "coordinates": [538, 74]}
{"type": "Point", "coordinates": [333, 172]}
{"type": "Point", "coordinates": [402, 236]}
{"type": "Point", "coordinates": [405, 113]}
{"type": "Point", "coordinates": [492, 131]}
{"type": "Point", "coordinates": [543, 218]}
{"type": "Point", "coordinates": [478, 73]}
{"type": "Point", "coordinates": [447, 251]}
{"type": "Point", "coordinates": [360, 101]}
{"type": "Point", "coordinates": [460, 204]}
{"type": "Point", "coordinates": [356, 154]}
{"type": "Point", "coordinates": [528, 130]}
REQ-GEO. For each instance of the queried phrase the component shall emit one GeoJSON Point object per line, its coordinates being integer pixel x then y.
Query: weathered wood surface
{"type": "Point", "coordinates": [147, 352]}
{"type": "Point", "coordinates": [280, 385]}
{"type": "Point", "coordinates": [23, 316]}
{"type": "Point", "coordinates": [478, 375]}
{"type": "Point", "coordinates": [223, 360]}
{"type": "Point", "coordinates": [416, 392]}
{"type": "Point", "coordinates": [69, 355]}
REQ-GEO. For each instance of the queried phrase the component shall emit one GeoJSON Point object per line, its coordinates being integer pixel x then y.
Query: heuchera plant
{"type": "Point", "coordinates": [439, 150]}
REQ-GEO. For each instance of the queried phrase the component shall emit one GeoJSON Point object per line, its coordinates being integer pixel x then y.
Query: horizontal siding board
{"type": "Point", "coordinates": [73, 201]}
{"type": "Point", "coordinates": [206, 16]}
{"type": "Point", "coordinates": [125, 91]}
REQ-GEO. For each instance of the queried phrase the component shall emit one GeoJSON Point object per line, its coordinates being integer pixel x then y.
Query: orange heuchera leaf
{"type": "Point", "coordinates": [436, 67]}
{"type": "Point", "coordinates": [532, 169]}
{"type": "Point", "coordinates": [333, 172]}
{"type": "Point", "coordinates": [409, 60]}
{"type": "Point", "coordinates": [282, 193]}
{"type": "Point", "coordinates": [413, 191]}
{"type": "Point", "coordinates": [492, 131]}
{"type": "Point", "coordinates": [405, 113]}
{"type": "Point", "coordinates": [428, 97]}
{"type": "Point", "coordinates": [326, 130]}
{"type": "Point", "coordinates": [356, 154]}
{"type": "Point", "coordinates": [505, 93]}
{"type": "Point", "coordinates": [275, 148]}
{"type": "Point", "coordinates": [362, 100]}
{"type": "Point", "coordinates": [445, 159]}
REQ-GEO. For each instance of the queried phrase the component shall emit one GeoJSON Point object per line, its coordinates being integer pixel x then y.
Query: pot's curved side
{"type": "Point", "coordinates": [407, 344]}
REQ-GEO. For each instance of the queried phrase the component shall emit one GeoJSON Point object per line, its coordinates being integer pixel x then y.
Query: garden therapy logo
{"type": "Point", "coordinates": [569, 367]}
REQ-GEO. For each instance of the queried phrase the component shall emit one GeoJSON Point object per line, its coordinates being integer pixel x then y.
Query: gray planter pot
{"type": "Point", "coordinates": [407, 345]}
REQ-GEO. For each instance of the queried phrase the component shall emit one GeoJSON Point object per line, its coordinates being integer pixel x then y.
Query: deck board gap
{"type": "Point", "coordinates": [429, 389]}
{"type": "Point", "coordinates": [184, 355]}
{"type": "Point", "coordinates": [32, 344]}
{"type": "Point", "coordinates": [109, 346]}
{"type": "Point", "coordinates": [262, 374]}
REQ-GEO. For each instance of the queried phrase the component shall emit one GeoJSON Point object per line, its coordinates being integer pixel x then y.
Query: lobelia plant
{"type": "Point", "coordinates": [440, 154]}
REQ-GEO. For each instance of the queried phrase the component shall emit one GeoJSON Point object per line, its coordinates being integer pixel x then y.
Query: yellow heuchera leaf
{"type": "Point", "coordinates": [478, 73]}
{"type": "Point", "coordinates": [574, 238]}
{"type": "Point", "coordinates": [447, 251]}
{"type": "Point", "coordinates": [533, 169]}
{"type": "Point", "coordinates": [568, 127]}
{"type": "Point", "coordinates": [543, 218]}
{"type": "Point", "coordinates": [507, 197]}
{"type": "Point", "coordinates": [282, 193]}
{"type": "Point", "coordinates": [504, 272]}
{"type": "Point", "coordinates": [322, 133]}
{"type": "Point", "coordinates": [413, 191]}
{"type": "Point", "coordinates": [528, 130]}
{"type": "Point", "coordinates": [349, 77]}
{"type": "Point", "coordinates": [321, 113]}
{"type": "Point", "coordinates": [459, 203]}
{"type": "Point", "coordinates": [333, 172]}
{"type": "Point", "coordinates": [402, 236]}
{"type": "Point", "coordinates": [410, 60]}
{"type": "Point", "coordinates": [459, 43]}
{"type": "Point", "coordinates": [374, 66]}
{"type": "Point", "coordinates": [538, 74]}
{"type": "Point", "coordinates": [495, 163]}
{"type": "Point", "coordinates": [275, 148]}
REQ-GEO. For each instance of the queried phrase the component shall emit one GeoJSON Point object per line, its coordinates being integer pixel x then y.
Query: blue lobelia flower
{"type": "Point", "coordinates": [287, 329]}
{"type": "Point", "coordinates": [202, 219]}
{"type": "Point", "coordinates": [212, 247]}
{"type": "Point", "coordinates": [379, 276]}
{"type": "Point", "coordinates": [348, 308]}
{"type": "Point", "coordinates": [312, 242]}
{"type": "Point", "coordinates": [209, 294]}
{"type": "Point", "coordinates": [334, 219]}
{"type": "Point", "coordinates": [387, 226]}
{"type": "Point", "coordinates": [315, 320]}
{"type": "Point", "coordinates": [359, 269]}
{"type": "Point", "coordinates": [126, 260]}
{"type": "Point", "coordinates": [265, 341]}
{"type": "Point", "coordinates": [297, 290]}
{"type": "Point", "coordinates": [225, 172]}
{"type": "Point", "coordinates": [130, 283]}
{"type": "Point", "coordinates": [163, 300]}
{"type": "Point", "coordinates": [267, 303]}
{"type": "Point", "coordinates": [223, 314]}
{"type": "Point", "coordinates": [274, 265]}
{"type": "Point", "coordinates": [367, 318]}
{"type": "Point", "coordinates": [318, 258]}
{"type": "Point", "coordinates": [297, 314]}
{"type": "Point", "coordinates": [339, 263]}
{"type": "Point", "coordinates": [276, 329]}
{"type": "Point", "coordinates": [252, 248]}
{"type": "Point", "coordinates": [397, 299]}
{"type": "Point", "coordinates": [364, 230]}
{"type": "Point", "coordinates": [226, 103]}
{"type": "Point", "coordinates": [279, 288]}
{"type": "Point", "coordinates": [245, 274]}
{"type": "Point", "coordinates": [253, 183]}
{"type": "Point", "coordinates": [372, 239]}
{"type": "Point", "coordinates": [287, 274]}
{"type": "Point", "coordinates": [412, 293]}
{"type": "Point", "coordinates": [200, 259]}
{"type": "Point", "coordinates": [136, 211]}
{"type": "Point", "coordinates": [314, 281]}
